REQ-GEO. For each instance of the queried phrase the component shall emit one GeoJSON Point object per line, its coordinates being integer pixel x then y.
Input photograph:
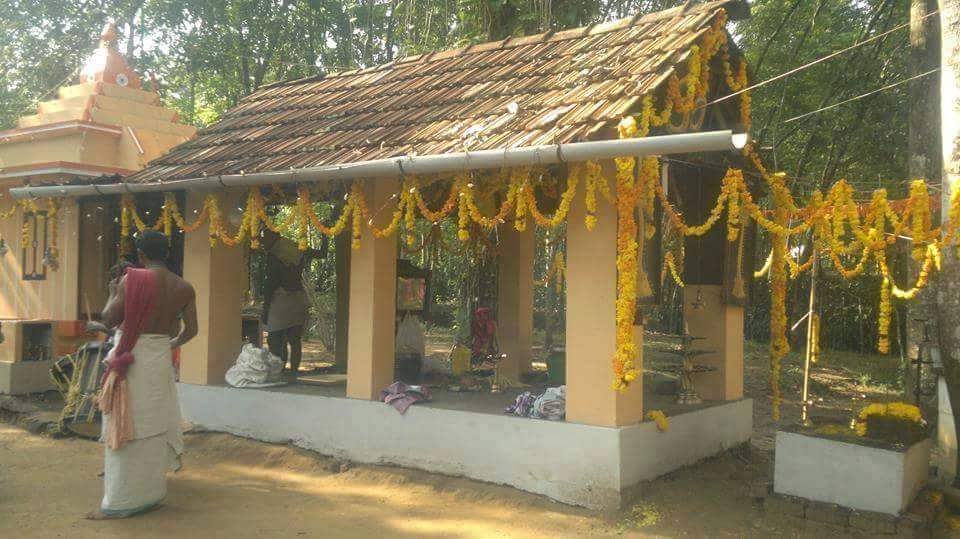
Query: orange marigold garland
{"type": "Point", "coordinates": [779, 346]}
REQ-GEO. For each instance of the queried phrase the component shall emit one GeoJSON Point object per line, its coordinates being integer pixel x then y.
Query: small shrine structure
{"type": "Point", "coordinates": [55, 255]}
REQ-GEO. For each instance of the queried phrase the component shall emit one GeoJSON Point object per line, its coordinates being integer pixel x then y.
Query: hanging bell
{"type": "Point", "coordinates": [699, 303]}
{"type": "Point", "coordinates": [3, 247]}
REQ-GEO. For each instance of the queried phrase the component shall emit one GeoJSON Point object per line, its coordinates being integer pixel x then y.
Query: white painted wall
{"type": "Point", "coordinates": [850, 475]}
{"type": "Point", "coordinates": [647, 453]}
{"type": "Point", "coordinates": [576, 464]}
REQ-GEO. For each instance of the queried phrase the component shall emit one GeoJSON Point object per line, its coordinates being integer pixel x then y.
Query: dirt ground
{"type": "Point", "coordinates": [232, 487]}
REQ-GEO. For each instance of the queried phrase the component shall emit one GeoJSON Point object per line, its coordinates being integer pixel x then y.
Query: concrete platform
{"type": "Point", "coordinates": [867, 476]}
{"type": "Point", "coordinates": [22, 377]}
{"type": "Point", "coordinates": [572, 463]}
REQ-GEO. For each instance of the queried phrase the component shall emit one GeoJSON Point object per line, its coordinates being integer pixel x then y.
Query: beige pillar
{"type": "Point", "coordinates": [515, 299]}
{"type": "Point", "coordinates": [342, 314]}
{"type": "Point", "coordinates": [219, 284]}
{"type": "Point", "coordinates": [721, 327]}
{"type": "Point", "coordinates": [373, 299]}
{"type": "Point", "coordinates": [591, 323]}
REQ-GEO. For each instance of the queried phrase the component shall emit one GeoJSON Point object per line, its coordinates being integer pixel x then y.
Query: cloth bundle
{"type": "Point", "coordinates": [551, 404]}
{"type": "Point", "coordinates": [255, 367]}
{"type": "Point", "coordinates": [401, 396]}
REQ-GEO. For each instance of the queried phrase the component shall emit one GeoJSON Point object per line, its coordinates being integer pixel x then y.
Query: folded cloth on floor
{"type": "Point", "coordinates": [401, 396]}
{"type": "Point", "coordinates": [551, 404]}
{"type": "Point", "coordinates": [522, 405]}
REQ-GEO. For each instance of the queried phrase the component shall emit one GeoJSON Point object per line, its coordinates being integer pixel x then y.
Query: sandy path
{"type": "Point", "coordinates": [233, 487]}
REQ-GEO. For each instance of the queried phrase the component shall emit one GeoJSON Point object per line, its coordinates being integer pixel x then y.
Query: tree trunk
{"type": "Point", "coordinates": [923, 161]}
{"type": "Point", "coordinates": [948, 298]}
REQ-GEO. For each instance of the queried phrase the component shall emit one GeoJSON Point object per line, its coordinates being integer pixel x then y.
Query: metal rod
{"type": "Point", "coordinates": [710, 141]}
{"type": "Point", "coordinates": [805, 407]}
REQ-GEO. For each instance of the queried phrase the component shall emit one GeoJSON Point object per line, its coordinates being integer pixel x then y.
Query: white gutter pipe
{"type": "Point", "coordinates": [711, 141]}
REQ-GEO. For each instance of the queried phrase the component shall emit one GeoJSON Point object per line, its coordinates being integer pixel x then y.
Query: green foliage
{"type": "Point", "coordinates": [864, 141]}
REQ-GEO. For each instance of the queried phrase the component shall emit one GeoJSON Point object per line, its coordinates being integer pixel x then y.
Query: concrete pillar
{"type": "Point", "coordinates": [591, 323]}
{"type": "Point", "coordinates": [515, 299]}
{"type": "Point", "coordinates": [214, 274]}
{"type": "Point", "coordinates": [342, 262]}
{"type": "Point", "coordinates": [721, 327]}
{"type": "Point", "coordinates": [373, 299]}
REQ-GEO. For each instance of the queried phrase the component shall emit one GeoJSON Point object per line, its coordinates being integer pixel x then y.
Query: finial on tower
{"type": "Point", "coordinates": [108, 36]}
{"type": "Point", "coordinates": [107, 65]}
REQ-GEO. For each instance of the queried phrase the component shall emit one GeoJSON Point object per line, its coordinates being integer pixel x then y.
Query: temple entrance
{"type": "Point", "coordinates": [101, 246]}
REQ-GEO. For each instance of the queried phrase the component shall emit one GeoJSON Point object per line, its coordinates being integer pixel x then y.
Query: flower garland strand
{"type": "Point", "coordinates": [624, 367]}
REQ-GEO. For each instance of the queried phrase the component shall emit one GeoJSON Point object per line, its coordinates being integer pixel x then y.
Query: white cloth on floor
{"type": "Point", "coordinates": [135, 475]}
{"type": "Point", "coordinates": [551, 405]}
{"type": "Point", "coordinates": [255, 367]}
{"type": "Point", "coordinates": [287, 309]}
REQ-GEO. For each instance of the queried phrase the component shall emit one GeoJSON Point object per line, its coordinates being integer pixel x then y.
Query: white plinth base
{"type": "Point", "coordinates": [24, 377]}
{"type": "Point", "coordinates": [847, 474]}
{"type": "Point", "coordinates": [571, 463]}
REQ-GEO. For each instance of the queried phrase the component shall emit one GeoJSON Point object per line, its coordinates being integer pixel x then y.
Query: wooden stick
{"type": "Point", "coordinates": [805, 407]}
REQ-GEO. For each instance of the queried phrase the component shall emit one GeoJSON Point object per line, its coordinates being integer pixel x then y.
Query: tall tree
{"type": "Point", "coordinates": [923, 148]}
{"type": "Point", "coordinates": [948, 298]}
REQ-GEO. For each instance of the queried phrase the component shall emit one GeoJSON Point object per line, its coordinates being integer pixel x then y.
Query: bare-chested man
{"type": "Point", "coordinates": [147, 305]}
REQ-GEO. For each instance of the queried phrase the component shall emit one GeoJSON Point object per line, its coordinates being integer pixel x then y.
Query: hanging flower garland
{"type": "Point", "coordinates": [779, 346]}
{"type": "Point", "coordinates": [559, 216]}
{"type": "Point", "coordinates": [557, 274]}
{"type": "Point", "coordinates": [624, 367]}
{"type": "Point", "coordinates": [841, 227]}
{"type": "Point", "coordinates": [52, 257]}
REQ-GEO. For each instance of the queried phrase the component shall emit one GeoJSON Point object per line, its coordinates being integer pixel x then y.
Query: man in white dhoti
{"type": "Point", "coordinates": [285, 303]}
{"type": "Point", "coordinates": [141, 412]}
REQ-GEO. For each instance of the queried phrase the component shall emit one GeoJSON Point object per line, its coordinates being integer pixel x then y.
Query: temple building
{"type": "Point", "coordinates": [451, 131]}
{"type": "Point", "coordinates": [54, 269]}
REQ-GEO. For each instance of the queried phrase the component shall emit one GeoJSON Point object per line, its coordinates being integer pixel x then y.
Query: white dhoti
{"type": "Point", "coordinates": [287, 309]}
{"type": "Point", "coordinates": [134, 478]}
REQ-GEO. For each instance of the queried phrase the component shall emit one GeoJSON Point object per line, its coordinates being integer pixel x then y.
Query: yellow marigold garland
{"type": "Point", "coordinates": [779, 346]}
{"type": "Point", "coordinates": [624, 368]}
{"type": "Point", "coordinates": [920, 220]}
{"type": "Point", "coordinates": [53, 217]}
{"type": "Point", "coordinates": [898, 410]}
{"type": "Point", "coordinates": [557, 273]}
{"type": "Point", "coordinates": [658, 417]}
{"type": "Point", "coordinates": [836, 220]}
{"type": "Point", "coordinates": [563, 208]}
{"type": "Point", "coordinates": [671, 265]}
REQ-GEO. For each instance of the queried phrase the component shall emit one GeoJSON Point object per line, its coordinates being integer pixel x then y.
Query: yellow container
{"type": "Point", "coordinates": [460, 360]}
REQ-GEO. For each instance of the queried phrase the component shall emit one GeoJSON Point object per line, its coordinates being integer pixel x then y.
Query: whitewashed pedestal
{"type": "Point", "coordinates": [866, 476]}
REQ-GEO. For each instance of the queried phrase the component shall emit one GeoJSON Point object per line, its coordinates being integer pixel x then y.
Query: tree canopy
{"type": "Point", "coordinates": [208, 54]}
